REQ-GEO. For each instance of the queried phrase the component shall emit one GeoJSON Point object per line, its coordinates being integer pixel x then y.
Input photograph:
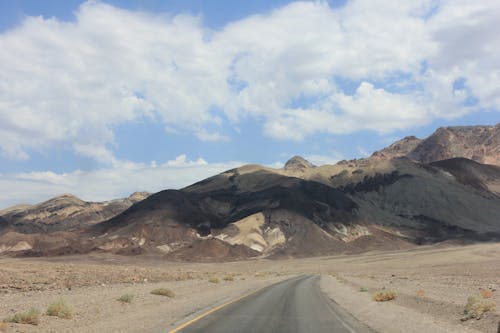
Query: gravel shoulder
{"type": "Point", "coordinates": [432, 284]}
{"type": "Point", "coordinates": [386, 317]}
{"type": "Point", "coordinates": [98, 310]}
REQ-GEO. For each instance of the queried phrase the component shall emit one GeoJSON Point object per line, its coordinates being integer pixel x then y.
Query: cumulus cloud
{"type": "Point", "coordinates": [107, 183]}
{"type": "Point", "coordinates": [205, 135]}
{"type": "Point", "coordinates": [324, 159]}
{"type": "Point", "coordinates": [182, 161]}
{"type": "Point", "coordinates": [384, 111]}
{"type": "Point", "coordinates": [403, 72]}
{"type": "Point", "coordinates": [71, 83]}
{"type": "Point", "coordinates": [97, 152]}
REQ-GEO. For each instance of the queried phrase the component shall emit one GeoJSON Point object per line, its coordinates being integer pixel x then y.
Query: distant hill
{"type": "Point", "coordinates": [64, 212]}
{"type": "Point", "coordinates": [410, 193]}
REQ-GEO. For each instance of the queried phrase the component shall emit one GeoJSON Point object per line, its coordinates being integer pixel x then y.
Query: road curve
{"type": "Point", "coordinates": [294, 305]}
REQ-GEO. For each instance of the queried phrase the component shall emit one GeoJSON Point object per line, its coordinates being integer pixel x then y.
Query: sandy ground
{"type": "Point", "coordinates": [433, 283]}
{"type": "Point", "coordinates": [432, 286]}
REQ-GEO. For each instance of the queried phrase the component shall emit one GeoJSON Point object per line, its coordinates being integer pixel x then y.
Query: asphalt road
{"type": "Point", "coordinates": [294, 305]}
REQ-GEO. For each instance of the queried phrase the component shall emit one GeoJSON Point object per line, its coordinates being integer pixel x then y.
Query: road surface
{"type": "Point", "coordinates": [294, 305]}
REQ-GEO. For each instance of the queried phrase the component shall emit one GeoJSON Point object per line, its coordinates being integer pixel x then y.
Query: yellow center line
{"type": "Point", "coordinates": [203, 315]}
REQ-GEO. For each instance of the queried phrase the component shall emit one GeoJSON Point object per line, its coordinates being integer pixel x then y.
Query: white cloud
{"type": "Point", "coordinates": [469, 48]}
{"type": "Point", "coordinates": [379, 110]}
{"type": "Point", "coordinates": [71, 83]}
{"type": "Point", "coordinates": [324, 159]}
{"type": "Point", "coordinates": [182, 161]}
{"type": "Point", "coordinates": [205, 135]}
{"type": "Point", "coordinates": [276, 165]}
{"type": "Point", "coordinates": [96, 151]}
{"type": "Point", "coordinates": [365, 153]}
{"type": "Point", "coordinates": [107, 183]}
{"type": "Point", "coordinates": [406, 68]}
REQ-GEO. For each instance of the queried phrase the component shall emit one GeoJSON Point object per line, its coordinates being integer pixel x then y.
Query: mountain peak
{"type": "Point", "coordinates": [478, 143]}
{"type": "Point", "coordinates": [66, 197]}
{"type": "Point", "coordinates": [399, 148]}
{"type": "Point", "coordinates": [297, 163]}
{"type": "Point", "coordinates": [139, 196]}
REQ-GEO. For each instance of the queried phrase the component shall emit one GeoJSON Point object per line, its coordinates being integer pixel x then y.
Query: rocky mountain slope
{"type": "Point", "coordinates": [399, 148]}
{"type": "Point", "coordinates": [248, 206]}
{"type": "Point", "coordinates": [388, 201]}
{"type": "Point", "coordinates": [478, 143]}
{"type": "Point", "coordinates": [298, 164]}
{"type": "Point", "coordinates": [257, 211]}
{"type": "Point", "coordinates": [64, 212]}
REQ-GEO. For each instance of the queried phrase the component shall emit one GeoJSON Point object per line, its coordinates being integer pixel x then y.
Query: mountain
{"type": "Point", "coordinates": [298, 164]}
{"type": "Point", "coordinates": [477, 143]}
{"type": "Point", "coordinates": [250, 206]}
{"type": "Point", "coordinates": [399, 148]}
{"type": "Point", "coordinates": [480, 176]}
{"type": "Point", "coordinates": [3, 223]}
{"type": "Point", "coordinates": [343, 208]}
{"type": "Point", "coordinates": [63, 213]}
{"type": "Point", "coordinates": [400, 197]}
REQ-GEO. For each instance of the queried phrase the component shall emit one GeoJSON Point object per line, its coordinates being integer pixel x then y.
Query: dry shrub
{"type": "Point", "coordinates": [182, 276]}
{"type": "Point", "coordinates": [384, 295]}
{"type": "Point", "coordinates": [3, 326]}
{"type": "Point", "coordinates": [363, 289]}
{"type": "Point", "coordinates": [31, 317]}
{"type": "Point", "coordinates": [341, 279]}
{"type": "Point", "coordinates": [60, 309]}
{"type": "Point", "coordinates": [486, 293]}
{"type": "Point", "coordinates": [477, 306]}
{"type": "Point", "coordinates": [228, 278]}
{"type": "Point", "coordinates": [163, 292]}
{"type": "Point", "coordinates": [126, 298]}
{"type": "Point", "coordinates": [213, 280]}
{"type": "Point", "coordinates": [420, 293]}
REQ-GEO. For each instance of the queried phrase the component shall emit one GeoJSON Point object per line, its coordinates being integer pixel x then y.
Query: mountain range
{"type": "Point", "coordinates": [444, 188]}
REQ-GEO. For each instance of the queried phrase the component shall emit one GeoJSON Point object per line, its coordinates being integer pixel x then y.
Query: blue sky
{"type": "Point", "coordinates": [102, 98]}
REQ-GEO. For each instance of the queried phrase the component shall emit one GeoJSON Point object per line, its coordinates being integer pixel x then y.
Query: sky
{"type": "Point", "coordinates": [104, 98]}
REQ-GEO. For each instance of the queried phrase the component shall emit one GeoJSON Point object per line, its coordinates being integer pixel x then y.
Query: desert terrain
{"type": "Point", "coordinates": [282, 166]}
{"type": "Point", "coordinates": [407, 240]}
{"type": "Point", "coordinates": [432, 285]}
